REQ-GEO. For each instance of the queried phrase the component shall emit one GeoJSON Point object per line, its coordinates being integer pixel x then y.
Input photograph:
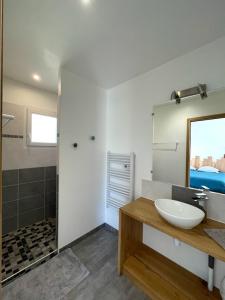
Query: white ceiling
{"type": "Point", "coordinates": [109, 41]}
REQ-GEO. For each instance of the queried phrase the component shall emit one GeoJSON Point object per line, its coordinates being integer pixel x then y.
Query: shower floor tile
{"type": "Point", "coordinates": [26, 245]}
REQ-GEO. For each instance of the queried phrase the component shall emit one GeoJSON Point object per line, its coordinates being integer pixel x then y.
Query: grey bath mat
{"type": "Point", "coordinates": [218, 235]}
{"type": "Point", "coordinates": [51, 281]}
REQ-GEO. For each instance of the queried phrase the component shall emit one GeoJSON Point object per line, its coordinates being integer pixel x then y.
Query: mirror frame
{"type": "Point", "coordinates": [188, 140]}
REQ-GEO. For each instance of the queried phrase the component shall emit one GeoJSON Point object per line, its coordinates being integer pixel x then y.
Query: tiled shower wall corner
{"type": "Point", "coordinates": [29, 196]}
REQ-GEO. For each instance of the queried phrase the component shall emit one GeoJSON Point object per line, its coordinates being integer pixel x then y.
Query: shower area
{"type": "Point", "coordinates": [29, 177]}
{"type": "Point", "coordinates": [29, 148]}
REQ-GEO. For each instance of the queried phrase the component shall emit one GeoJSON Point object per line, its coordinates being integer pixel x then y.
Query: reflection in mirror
{"type": "Point", "coordinates": [170, 136]}
{"type": "Point", "coordinates": [206, 153]}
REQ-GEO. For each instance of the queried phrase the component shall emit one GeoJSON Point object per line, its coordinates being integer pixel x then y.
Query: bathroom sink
{"type": "Point", "coordinates": [179, 214]}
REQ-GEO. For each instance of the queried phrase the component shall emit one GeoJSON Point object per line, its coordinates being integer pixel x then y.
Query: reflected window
{"type": "Point", "coordinates": [207, 153]}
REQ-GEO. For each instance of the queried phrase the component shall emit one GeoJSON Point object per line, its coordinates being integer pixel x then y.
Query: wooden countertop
{"type": "Point", "coordinates": [144, 211]}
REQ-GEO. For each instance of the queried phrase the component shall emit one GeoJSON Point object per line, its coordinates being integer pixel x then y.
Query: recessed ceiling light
{"type": "Point", "coordinates": [36, 77]}
{"type": "Point", "coordinates": [86, 2]}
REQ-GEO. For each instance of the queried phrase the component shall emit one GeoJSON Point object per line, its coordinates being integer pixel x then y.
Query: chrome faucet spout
{"type": "Point", "coordinates": [200, 202]}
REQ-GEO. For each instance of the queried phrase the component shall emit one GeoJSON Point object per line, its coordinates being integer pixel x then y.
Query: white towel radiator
{"type": "Point", "coordinates": [120, 179]}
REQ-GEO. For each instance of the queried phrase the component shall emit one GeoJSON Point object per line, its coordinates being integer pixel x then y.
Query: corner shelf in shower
{"type": "Point", "coordinates": [6, 119]}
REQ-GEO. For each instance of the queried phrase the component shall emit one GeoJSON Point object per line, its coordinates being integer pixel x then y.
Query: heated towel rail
{"type": "Point", "coordinates": [120, 179]}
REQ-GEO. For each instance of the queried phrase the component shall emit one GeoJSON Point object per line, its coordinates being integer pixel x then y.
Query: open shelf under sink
{"type": "Point", "coordinates": [163, 279]}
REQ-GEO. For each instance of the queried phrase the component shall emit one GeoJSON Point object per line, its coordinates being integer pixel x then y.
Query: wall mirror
{"type": "Point", "coordinates": [206, 153]}
{"type": "Point", "coordinates": [188, 136]}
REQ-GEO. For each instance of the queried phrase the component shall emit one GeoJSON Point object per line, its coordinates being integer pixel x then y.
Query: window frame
{"type": "Point", "coordinates": [29, 127]}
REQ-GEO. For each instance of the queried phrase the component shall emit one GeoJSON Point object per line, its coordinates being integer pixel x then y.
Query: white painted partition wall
{"type": "Point", "coordinates": [82, 170]}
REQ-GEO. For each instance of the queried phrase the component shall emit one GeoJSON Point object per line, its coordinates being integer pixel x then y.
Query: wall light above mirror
{"type": "Point", "coordinates": [170, 127]}
{"type": "Point", "coordinates": [200, 89]}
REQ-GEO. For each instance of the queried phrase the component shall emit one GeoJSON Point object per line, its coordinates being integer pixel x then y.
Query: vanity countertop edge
{"type": "Point", "coordinates": [144, 211]}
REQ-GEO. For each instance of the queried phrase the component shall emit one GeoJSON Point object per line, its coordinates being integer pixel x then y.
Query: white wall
{"type": "Point", "coordinates": [17, 99]}
{"type": "Point", "coordinates": [129, 121]}
{"type": "Point", "coordinates": [22, 94]}
{"type": "Point", "coordinates": [81, 170]}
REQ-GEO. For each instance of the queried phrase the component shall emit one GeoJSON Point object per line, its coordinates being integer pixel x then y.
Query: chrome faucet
{"type": "Point", "coordinates": [200, 199]}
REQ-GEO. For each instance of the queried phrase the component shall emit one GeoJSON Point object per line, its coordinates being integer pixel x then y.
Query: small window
{"type": "Point", "coordinates": [42, 129]}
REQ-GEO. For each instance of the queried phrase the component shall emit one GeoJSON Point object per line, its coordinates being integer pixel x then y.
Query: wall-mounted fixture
{"type": "Point", "coordinates": [6, 119]}
{"type": "Point", "coordinates": [92, 138]}
{"type": "Point", "coordinates": [170, 146]}
{"type": "Point", "coordinates": [200, 89]}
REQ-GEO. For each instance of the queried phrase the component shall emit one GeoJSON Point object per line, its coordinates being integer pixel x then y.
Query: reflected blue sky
{"type": "Point", "coordinates": [208, 138]}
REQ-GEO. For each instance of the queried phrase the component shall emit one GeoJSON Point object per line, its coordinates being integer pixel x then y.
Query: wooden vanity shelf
{"type": "Point", "coordinates": [159, 277]}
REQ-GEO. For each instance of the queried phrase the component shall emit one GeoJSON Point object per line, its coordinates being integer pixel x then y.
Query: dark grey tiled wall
{"type": "Point", "coordinates": [29, 196]}
{"type": "Point", "coordinates": [184, 194]}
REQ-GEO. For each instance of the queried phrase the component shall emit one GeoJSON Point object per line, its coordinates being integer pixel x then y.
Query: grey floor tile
{"type": "Point", "coordinates": [99, 254]}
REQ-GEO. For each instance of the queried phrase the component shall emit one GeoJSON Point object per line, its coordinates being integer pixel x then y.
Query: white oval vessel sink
{"type": "Point", "coordinates": [179, 214]}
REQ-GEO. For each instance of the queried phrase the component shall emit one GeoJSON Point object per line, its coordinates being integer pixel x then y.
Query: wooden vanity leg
{"type": "Point", "coordinates": [130, 236]}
